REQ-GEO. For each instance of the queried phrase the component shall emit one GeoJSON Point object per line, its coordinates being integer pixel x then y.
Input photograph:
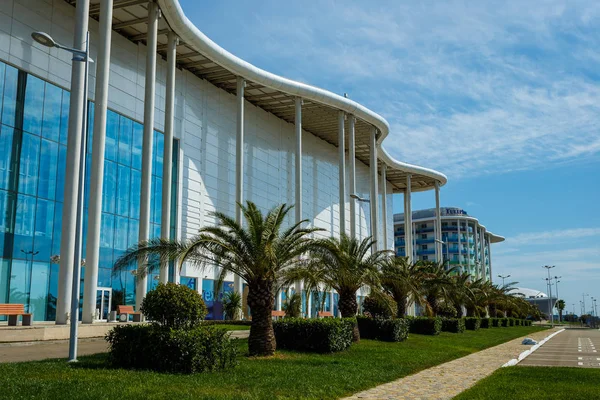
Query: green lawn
{"type": "Point", "coordinates": [534, 383]}
{"type": "Point", "coordinates": [234, 327]}
{"type": "Point", "coordinates": [285, 375]}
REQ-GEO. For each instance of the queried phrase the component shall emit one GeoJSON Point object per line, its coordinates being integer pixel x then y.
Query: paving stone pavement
{"type": "Point", "coordinates": [448, 380]}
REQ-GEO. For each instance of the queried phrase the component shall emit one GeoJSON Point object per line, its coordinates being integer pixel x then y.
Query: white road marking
{"type": "Point", "coordinates": [579, 363]}
{"type": "Point", "coordinates": [580, 358]}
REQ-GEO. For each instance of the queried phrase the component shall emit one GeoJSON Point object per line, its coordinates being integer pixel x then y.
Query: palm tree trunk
{"type": "Point", "coordinates": [401, 303]}
{"type": "Point", "coordinates": [348, 307]}
{"type": "Point", "coordinates": [261, 341]}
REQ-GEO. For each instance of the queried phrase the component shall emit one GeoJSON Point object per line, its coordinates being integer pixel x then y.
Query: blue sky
{"type": "Point", "coordinates": [501, 96]}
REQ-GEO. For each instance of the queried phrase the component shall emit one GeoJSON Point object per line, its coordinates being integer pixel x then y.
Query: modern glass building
{"type": "Point", "coordinates": [465, 241]}
{"type": "Point", "coordinates": [239, 133]}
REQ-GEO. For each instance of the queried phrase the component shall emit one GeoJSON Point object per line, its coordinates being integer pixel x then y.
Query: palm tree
{"type": "Point", "coordinates": [232, 305]}
{"type": "Point", "coordinates": [259, 252]}
{"type": "Point", "coordinates": [345, 264]}
{"type": "Point", "coordinates": [437, 284]}
{"type": "Point", "coordinates": [403, 281]}
{"type": "Point", "coordinates": [560, 306]}
{"type": "Point", "coordinates": [459, 292]}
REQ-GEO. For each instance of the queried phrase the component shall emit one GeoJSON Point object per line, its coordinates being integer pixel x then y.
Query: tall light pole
{"type": "Point", "coordinates": [583, 296]}
{"type": "Point", "coordinates": [503, 277]}
{"type": "Point", "coordinates": [548, 268]}
{"type": "Point", "coordinates": [447, 255]}
{"type": "Point", "coordinates": [78, 56]}
{"type": "Point", "coordinates": [556, 278]}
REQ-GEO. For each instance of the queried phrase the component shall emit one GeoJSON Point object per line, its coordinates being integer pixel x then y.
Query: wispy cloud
{"type": "Point", "coordinates": [552, 237]}
{"type": "Point", "coordinates": [497, 87]}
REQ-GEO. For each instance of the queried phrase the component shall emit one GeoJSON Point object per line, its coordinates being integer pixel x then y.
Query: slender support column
{"type": "Point", "coordinates": [239, 165]}
{"type": "Point", "coordinates": [374, 191]}
{"type": "Point", "coordinates": [438, 225]}
{"type": "Point", "coordinates": [331, 304]}
{"type": "Point", "coordinates": [298, 169]}
{"type": "Point", "coordinates": [342, 170]}
{"type": "Point", "coordinates": [165, 223]}
{"type": "Point", "coordinates": [384, 235]}
{"type": "Point", "coordinates": [69, 214]}
{"type": "Point", "coordinates": [144, 232]}
{"type": "Point", "coordinates": [97, 173]}
{"type": "Point", "coordinates": [352, 160]}
{"type": "Point", "coordinates": [408, 236]}
{"type": "Point", "coordinates": [482, 250]}
{"type": "Point", "coordinates": [459, 246]}
{"type": "Point", "coordinates": [489, 246]}
{"type": "Point", "coordinates": [279, 300]}
{"type": "Point", "coordinates": [477, 264]}
{"type": "Point", "coordinates": [298, 160]}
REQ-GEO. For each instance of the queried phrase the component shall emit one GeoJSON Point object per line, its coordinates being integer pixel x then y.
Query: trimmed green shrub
{"type": "Point", "coordinates": [511, 322]}
{"type": "Point", "coordinates": [486, 323]}
{"type": "Point", "coordinates": [174, 306]}
{"type": "Point", "coordinates": [217, 322]}
{"type": "Point", "coordinates": [454, 325]}
{"type": "Point", "coordinates": [472, 323]}
{"type": "Point", "coordinates": [425, 325]}
{"type": "Point", "coordinates": [325, 335]}
{"type": "Point", "coordinates": [518, 322]}
{"type": "Point", "coordinates": [495, 322]}
{"type": "Point", "coordinates": [164, 349]}
{"type": "Point", "coordinates": [387, 330]}
{"type": "Point", "coordinates": [504, 322]}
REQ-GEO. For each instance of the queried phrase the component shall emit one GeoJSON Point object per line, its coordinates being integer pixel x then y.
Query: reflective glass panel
{"type": "Point", "coordinates": [109, 188]}
{"type": "Point", "coordinates": [29, 165]}
{"type": "Point", "coordinates": [123, 190]}
{"type": "Point", "coordinates": [64, 117]}
{"type": "Point", "coordinates": [60, 176]}
{"type": "Point", "coordinates": [47, 174]}
{"type": "Point", "coordinates": [20, 274]}
{"type": "Point", "coordinates": [24, 226]}
{"type": "Point", "coordinates": [125, 139]}
{"type": "Point", "coordinates": [40, 272]}
{"type": "Point", "coordinates": [52, 108]}
{"type": "Point", "coordinates": [34, 104]}
{"type": "Point", "coordinates": [9, 101]}
{"type": "Point", "coordinates": [112, 134]}
{"type": "Point", "coordinates": [44, 224]}
{"type": "Point", "coordinates": [136, 146]}
{"type": "Point", "coordinates": [6, 142]}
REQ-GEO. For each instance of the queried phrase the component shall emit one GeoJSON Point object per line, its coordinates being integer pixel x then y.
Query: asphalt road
{"type": "Point", "coordinates": [571, 348]}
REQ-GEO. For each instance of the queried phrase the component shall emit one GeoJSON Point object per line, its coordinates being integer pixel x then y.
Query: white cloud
{"type": "Point", "coordinates": [552, 237]}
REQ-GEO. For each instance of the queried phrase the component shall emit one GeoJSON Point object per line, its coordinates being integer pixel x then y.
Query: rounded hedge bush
{"type": "Point", "coordinates": [174, 306]}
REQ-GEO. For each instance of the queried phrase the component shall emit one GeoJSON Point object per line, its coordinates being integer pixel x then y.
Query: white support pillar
{"type": "Point", "coordinates": [374, 191]}
{"type": "Point", "coordinates": [459, 246]}
{"type": "Point", "coordinates": [352, 160]}
{"type": "Point", "coordinates": [165, 223]}
{"type": "Point", "coordinates": [239, 166]}
{"type": "Point", "coordinates": [97, 173]}
{"type": "Point", "coordinates": [144, 232]}
{"type": "Point", "coordinates": [482, 250]}
{"type": "Point", "coordinates": [384, 245]}
{"type": "Point", "coordinates": [331, 308]}
{"type": "Point", "coordinates": [489, 247]}
{"type": "Point", "coordinates": [438, 225]}
{"type": "Point", "coordinates": [408, 235]}
{"type": "Point", "coordinates": [69, 214]}
{"type": "Point", "coordinates": [342, 170]}
{"type": "Point", "coordinates": [477, 264]}
{"type": "Point", "coordinates": [279, 300]}
{"type": "Point", "coordinates": [298, 170]}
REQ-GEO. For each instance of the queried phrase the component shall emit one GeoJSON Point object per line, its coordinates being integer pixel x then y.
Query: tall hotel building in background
{"type": "Point", "coordinates": [465, 241]}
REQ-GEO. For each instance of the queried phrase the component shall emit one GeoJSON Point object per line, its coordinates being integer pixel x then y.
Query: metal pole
{"type": "Point", "coordinates": [352, 161]}
{"type": "Point", "coordinates": [408, 236]}
{"type": "Point", "coordinates": [239, 165]}
{"type": "Point", "coordinates": [342, 170]}
{"type": "Point", "coordinates": [69, 214]}
{"type": "Point", "coordinates": [165, 223]}
{"type": "Point", "coordinates": [548, 268]}
{"type": "Point", "coordinates": [438, 223]}
{"type": "Point", "coordinates": [79, 219]}
{"type": "Point", "coordinates": [97, 164]}
{"type": "Point", "coordinates": [144, 230]}
{"type": "Point", "coordinates": [298, 172]}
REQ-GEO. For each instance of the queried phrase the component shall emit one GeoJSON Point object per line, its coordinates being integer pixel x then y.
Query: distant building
{"type": "Point", "coordinates": [466, 242]}
{"type": "Point", "coordinates": [535, 297]}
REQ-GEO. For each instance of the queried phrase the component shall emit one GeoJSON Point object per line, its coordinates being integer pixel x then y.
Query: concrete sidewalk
{"type": "Point", "coordinates": [448, 380]}
{"type": "Point", "coordinates": [36, 351]}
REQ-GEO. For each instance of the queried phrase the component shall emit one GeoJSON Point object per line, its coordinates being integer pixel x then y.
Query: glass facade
{"type": "Point", "coordinates": [33, 136]}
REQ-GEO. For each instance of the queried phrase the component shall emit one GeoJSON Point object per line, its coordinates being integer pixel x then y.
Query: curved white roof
{"type": "Point", "coordinates": [273, 93]}
{"type": "Point", "coordinates": [528, 293]}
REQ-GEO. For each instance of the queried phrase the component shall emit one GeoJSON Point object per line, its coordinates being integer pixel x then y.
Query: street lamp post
{"type": "Point", "coordinates": [583, 296]}
{"type": "Point", "coordinates": [503, 277]}
{"type": "Point", "coordinates": [447, 254]}
{"type": "Point", "coordinates": [556, 278]}
{"type": "Point", "coordinates": [548, 268]}
{"type": "Point", "coordinates": [78, 56]}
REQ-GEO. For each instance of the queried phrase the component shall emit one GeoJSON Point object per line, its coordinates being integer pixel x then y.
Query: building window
{"type": "Point", "coordinates": [424, 236]}
{"type": "Point", "coordinates": [424, 247]}
{"type": "Point", "coordinates": [444, 224]}
{"type": "Point", "coordinates": [425, 258]}
{"type": "Point", "coordinates": [423, 225]}
{"type": "Point", "coordinates": [454, 224]}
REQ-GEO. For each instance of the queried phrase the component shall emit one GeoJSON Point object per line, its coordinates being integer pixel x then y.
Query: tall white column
{"type": "Point", "coordinates": [239, 165]}
{"type": "Point", "coordinates": [374, 191]}
{"type": "Point", "coordinates": [459, 245]}
{"type": "Point", "coordinates": [477, 264]}
{"type": "Point", "coordinates": [97, 173]}
{"type": "Point", "coordinates": [352, 166]}
{"type": "Point", "coordinates": [438, 225]}
{"type": "Point", "coordinates": [482, 250]}
{"type": "Point", "coordinates": [489, 247]}
{"type": "Point", "coordinates": [342, 170]}
{"type": "Point", "coordinates": [69, 214]}
{"type": "Point", "coordinates": [408, 236]}
{"type": "Point", "coordinates": [144, 232]}
{"type": "Point", "coordinates": [165, 222]}
{"type": "Point", "coordinates": [384, 245]}
{"type": "Point", "coordinates": [298, 170]}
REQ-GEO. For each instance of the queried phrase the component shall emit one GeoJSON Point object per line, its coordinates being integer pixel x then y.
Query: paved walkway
{"type": "Point", "coordinates": [571, 348]}
{"type": "Point", "coordinates": [448, 380]}
{"type": "Point", "coordinates": [35, 351]}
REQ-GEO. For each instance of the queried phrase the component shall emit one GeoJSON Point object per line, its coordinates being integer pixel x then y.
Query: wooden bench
{"type": "Point", "coordinates": [128, 310]}
{"type": "Point", "coordinates": [277, 314]}
{"type": "Point", "coordinates": [12, 311]}
{"type": "Point", "coordinates": [325, 314]}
